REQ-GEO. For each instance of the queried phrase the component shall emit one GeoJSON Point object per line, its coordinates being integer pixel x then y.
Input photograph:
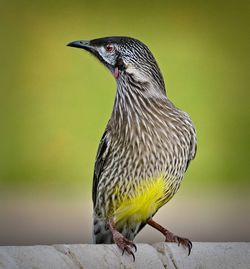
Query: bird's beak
{"type": "Point", "coordinates": [82, 44]}
{"type": "Point", "coordinates": [86, 45]}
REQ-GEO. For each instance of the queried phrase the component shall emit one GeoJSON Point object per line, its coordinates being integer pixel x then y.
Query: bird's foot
{"type": "Point", "coordinates": [170, 237]}
{"type": "Point", "coordinates": [123, 243]}
{"type": "Point", "coordinates": [186, 243]}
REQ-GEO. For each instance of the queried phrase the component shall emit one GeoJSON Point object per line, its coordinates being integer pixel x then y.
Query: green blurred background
{"type": "Point", "coordinates": [55, 102]}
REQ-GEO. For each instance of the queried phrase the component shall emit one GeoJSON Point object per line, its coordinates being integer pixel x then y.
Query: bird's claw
{"type": "Point", "coordinates": [125, 245]}
{"type": "Point", "coordinates": [128, 250]}
{"type": "Point", "coordinates": [186, 243]}
{"type": "Point", "coordinates": [135, 247]}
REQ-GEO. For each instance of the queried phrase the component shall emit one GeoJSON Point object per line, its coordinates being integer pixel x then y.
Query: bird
{"type": "Point", "coordinates": [145, 150]}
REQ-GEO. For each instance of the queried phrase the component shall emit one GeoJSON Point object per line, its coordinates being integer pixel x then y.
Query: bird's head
{"type": "Point", "coordinates": [124, 56]}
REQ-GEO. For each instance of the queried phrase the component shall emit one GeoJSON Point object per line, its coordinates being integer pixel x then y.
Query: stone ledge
{"type": "Point", "coordinates": [159, 255]}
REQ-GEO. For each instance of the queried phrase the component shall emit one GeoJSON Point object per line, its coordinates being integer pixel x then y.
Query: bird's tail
{"type": "Point", "coordinates": [103, 235]}
{"type": "Point", "coordinates": [101, 232]}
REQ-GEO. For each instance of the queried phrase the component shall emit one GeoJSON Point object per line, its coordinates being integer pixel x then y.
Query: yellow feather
{"type": "Point", "coordinates": [148, 197]}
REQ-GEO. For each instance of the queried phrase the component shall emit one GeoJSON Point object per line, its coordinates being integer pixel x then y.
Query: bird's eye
{"type": "Point", "coordinates": [109, 47]}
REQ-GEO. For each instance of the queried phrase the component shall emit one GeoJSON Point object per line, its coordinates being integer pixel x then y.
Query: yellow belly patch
{"type": "Point", "coordinates": [147, 198]}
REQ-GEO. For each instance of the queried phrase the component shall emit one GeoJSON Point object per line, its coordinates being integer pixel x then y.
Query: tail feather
{"type": "Point", "coordinates": [103, 235]}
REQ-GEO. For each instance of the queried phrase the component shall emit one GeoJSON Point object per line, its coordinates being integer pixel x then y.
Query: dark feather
{"type": "Point", "coordinates": [191, 156]}
{"type": "Point", "coordinates": [99, 163]}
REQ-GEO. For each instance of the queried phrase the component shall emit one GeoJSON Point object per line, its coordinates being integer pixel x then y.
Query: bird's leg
{"type": "Point", "coordinates": [123, 243]}
{"type": "Point", "coordinates": [170, 237]}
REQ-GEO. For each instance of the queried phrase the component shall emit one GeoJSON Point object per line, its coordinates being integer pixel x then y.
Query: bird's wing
{"type": "Point", "coordinates": [101, 158]}
{"type": "Point", "coordinates": [192, 150]}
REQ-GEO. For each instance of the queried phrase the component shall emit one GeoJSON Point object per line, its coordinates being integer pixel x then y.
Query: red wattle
{"type": "Point", "coordinates": [116, 72]}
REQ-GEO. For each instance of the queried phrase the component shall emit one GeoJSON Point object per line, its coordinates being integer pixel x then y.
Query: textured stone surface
{"type": "Point", "coordinates": [159, 255]}
{"type": "Point", "coordinates": [206, 256]}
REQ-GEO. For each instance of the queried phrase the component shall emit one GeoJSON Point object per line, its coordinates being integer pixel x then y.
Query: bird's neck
{"type": "Point", "coordinates": [137, 106]}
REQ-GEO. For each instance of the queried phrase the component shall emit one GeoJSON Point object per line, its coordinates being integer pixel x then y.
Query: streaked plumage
{"type": "Point", "coordinates": [147, 144]}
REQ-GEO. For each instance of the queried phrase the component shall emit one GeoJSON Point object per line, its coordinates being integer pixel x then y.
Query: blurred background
{"type": "Point", "coordinates": [55, 102]}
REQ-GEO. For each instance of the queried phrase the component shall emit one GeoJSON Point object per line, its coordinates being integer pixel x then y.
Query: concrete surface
{"type": "Point", "coordinates": [159, 255]}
